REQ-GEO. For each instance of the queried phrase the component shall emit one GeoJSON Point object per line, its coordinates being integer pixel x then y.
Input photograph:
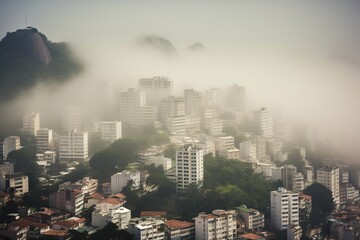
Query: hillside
{"type": "Point", "coordinates": [27, 56]}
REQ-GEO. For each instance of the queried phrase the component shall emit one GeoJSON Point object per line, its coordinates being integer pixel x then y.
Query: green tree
{"type": "Point", "coordinates": [322, 203]}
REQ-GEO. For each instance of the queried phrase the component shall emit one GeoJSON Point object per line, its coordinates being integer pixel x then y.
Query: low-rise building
{"type": "Point", "coordinates": [180, 230]}
{"type": "Point", "coordinates": [220, 224]}
{"type": "Point", "coordinates": [87, 185]}
{"type": "Point", "coordinates": [121, 180]}
{"type": "Point", "coordinates": [294, 232]}
{"type": "Point", "coordinates": [233, 153]}
{"type": "Point", "coordinates": [146, 229]}
{"type": "Point", "coordinates": [17, 181]}
{"type": "Point", "coordinates": [68, 200]}
{"type": "Point", "coordinates": [254, 220]}
{"type": "Point", "coordinates": [111, 210]}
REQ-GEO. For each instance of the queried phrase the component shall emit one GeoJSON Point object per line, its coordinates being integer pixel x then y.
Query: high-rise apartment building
{"type": "Point", "coordinates": [133, 108]}
{"type": "Point", "coordinates": [236, 97]}
{"type": "Point", "coordinates": [110, 131]}
{"type": "Point", "coordinates": [284, 206]}
{"type": "Point", "coordinates": [172, 114]}
{"type": "Point", "coordinates": [72, 118]}
{"type": "Point", "coordinates": [156, 88]}
{"type": "Point", "coordinates": [264, 121]}
{"type": "Point", "coordinates": [44, 140]}
{"type": "Point", "coordinates": [330, 178]}
{"type": "Point", "coordinates": [189, 166]}
{"type": "Point", "coordinates": [193, 102]}
{"type": "Point", "coordinates": [214, 97]}
{"type": "Point", "coordinates": [31, 122]}
{"type": "Point", "coordinates": [73, 145]}
{"type": "Point", "coordinates": [11, 143]}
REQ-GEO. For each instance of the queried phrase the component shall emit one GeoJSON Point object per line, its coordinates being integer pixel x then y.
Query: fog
{"type": "Point", "coordinates": [302, 58]}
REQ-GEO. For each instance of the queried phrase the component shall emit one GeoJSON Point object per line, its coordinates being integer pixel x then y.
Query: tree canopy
{"type": "Point", "coordinates": [322, 203]}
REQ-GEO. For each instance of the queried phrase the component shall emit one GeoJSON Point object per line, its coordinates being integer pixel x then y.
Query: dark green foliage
{"type": "Point", "coordinates": [76, 175]}
{"type": "Point", "coordinates": [115, 158]}
{"type": "Point", "coordinates": [322, 203]}
{"type": "Point", "coordinates": [170, 151]}
{"type": "Point", "coordinates": [96, 144]}
{"type": "Point", "coordinates": [294, 158]}
{"type": "Point", "coordinates": [20, 70]}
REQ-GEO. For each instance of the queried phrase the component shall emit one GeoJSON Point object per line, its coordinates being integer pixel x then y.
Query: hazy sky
{"type": "Point", "coordinates": [302, 56]}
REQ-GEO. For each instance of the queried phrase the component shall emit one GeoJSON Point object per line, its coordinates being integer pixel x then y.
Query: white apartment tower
{"type": "Point", "coordinates": [214, 97]}
{"type": "Point", "coordinates": [172, 114]}
{"type": "Point", "coordinates": [133, 108]}
{"type": "Point", "coordinates": [44, 140]}
{"type": "Point", "coordinates": [11, 143]}
{"type": "Point", "coordinates": [156, 88]}
{"type": "Point", "coordinates": [189, 166]}
{"type": "Point", "coordinates": [31, 122]}
{"type": "Point", "coordinates": [284, 208]}
{"type": "Point", "coordinates": [220, 224]}
{"type": "Point", "coordinates": [236, 97]}
{"type": "Point", "coordinates": [110, 131]}
{"type": "Point", "coordinates": [248, 151]}
{"type": "Point", "coordinates": [264, 121]}
{"type": "Point", "coordinates": [72, 118]}
{"type": "Point", "coordinates": [330, 178]}
{"type": "Point", "coordinates": [73, 145]}
{"type": "Point", "coordinates": [193, 101]}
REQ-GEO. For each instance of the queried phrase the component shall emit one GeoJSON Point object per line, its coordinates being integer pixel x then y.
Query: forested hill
{"type": "Point", "coordinates": [27, 56]}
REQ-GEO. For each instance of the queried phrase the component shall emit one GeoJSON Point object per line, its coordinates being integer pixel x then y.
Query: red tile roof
{"type": "Point", "coordinates": [67, 224]}
{"type": "Point", "coordinates": [24, 223]}
{"type": "Point", "coordinates": [4, 194]}
{"type": "Point", "coordinates": [113, 201]}
{"type": "Point", "coordinates": [250, 236]}
{"type": "Point", "coordinates": [175, 224]}
{"type": "Point", "coordinates": [97, 196]}
{"type": "Point", "coordinates": [153, 214]}
{"type": "Point", "coordinates": [59, 233]}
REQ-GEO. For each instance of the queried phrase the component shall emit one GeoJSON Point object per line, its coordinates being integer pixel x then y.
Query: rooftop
{"type": "Point", "coordinates": [175, 224]}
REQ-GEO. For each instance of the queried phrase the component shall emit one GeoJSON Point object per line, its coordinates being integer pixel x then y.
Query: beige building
{"type": "Point", "coordinates": [17, 181]}
{"type": "Point", "coordinates": [31, 122]}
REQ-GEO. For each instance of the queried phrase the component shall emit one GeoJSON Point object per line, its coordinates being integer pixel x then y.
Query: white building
{"type": "Point", "coordinates": [236, 97]}
{"type": "Point", "coordinates": [110, 210]}
{"type": "Point", "coordinates": [88, 186]}
{"type": "Point", "coordinates": [264, 121]}
{"type": "Point", "coordinates": [215, 127]}
{"type": "Point", "coordinates": [72, 118]}
{"type": "Point", "coordinates": [330, 178]}
{"type": "Point", "coordinates": [189, 166]}
{"type": "Point", "coordinates": [18, 181]}
{"type": "Point", "coordinates": [220, 224]}
{"type": "Point", "coordinates": [11, 143]}
{"type": "Point", "coordinates": [121, 179]}
{"type": "Point", "coordinates": [193, 102]}
{"type": "Point", "coordinates": [160, 161]}
{"type": "Point", "coordinates": [226, 142]}
{"type": "Point", "coordinates": [233, 153]}
{"type": "Point", "coordinates": [44, 140]}
{"type": "Point", "coordinates": [284, 206]}
{"type": "Point", "coordinates": [172, 114]}
{"type": "Point", "coordinates": [248, 151]}
{"type": "Point", "coordinates": [298, 183]}
{"type": "Point", "coordinates": [206, 145]}
{"type": "Point", "coordinates": [49, 157]}
{"type": "Point", "coordinates": [73, 145]}
{"type": "Point", "coordinates": [156, 88]}
{"type": "Point", "coordinates": [146, 229]}
{"type": "Point", "coordinates": [133, 108]}
{"type": "Point", "coordinates": [31, 122]}
{"type": "Point", "coordinates": [214, 97]}
{"type": "Point", "coordinates": [110, 131]}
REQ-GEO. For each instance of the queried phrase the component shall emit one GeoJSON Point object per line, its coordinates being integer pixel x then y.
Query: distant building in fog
{"type": "Point", "coordinates": [11, 143]}
{"type": "Point", "coordinates": [73, 145]}
{"type": "Point", "coordinates": [156, 88]}
{"type": "Point", "coordinates": [110, 131]}
{"type": "Point", "coordinates": [31, 122]}
{"type": "Point", "coordinates": [264, 122]}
